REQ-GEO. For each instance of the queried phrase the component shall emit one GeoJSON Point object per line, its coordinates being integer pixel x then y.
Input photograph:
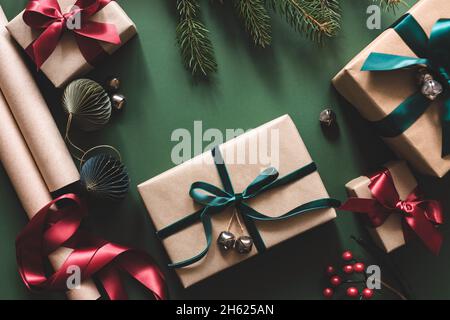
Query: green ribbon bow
{"type": "Point", "coordinates": [216, 200]}
{"type": "Point", "coordinates": [433, 53]}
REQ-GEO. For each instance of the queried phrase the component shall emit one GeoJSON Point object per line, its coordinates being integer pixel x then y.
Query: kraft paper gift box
{"type": "Point", "coordinates": [409, 214]}
{"type": "Point", "coordinates": [167, 199]}
{"type": "Point", "coordinates": [377, 94]}
{"type": "Point", "coordinates": [67, 61]}
{"type": "Point", "coordinates": [389, 236]}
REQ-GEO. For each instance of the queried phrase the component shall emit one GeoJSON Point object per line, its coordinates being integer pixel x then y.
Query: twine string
{"type": "Point", "coordinates": [84, 153]}
{"type": "Point", "coordinates": [235, 216]}
{"type": "Point", "coordinates": [69, 141]}
{"type": "Point", "coordinates": [393, 290]}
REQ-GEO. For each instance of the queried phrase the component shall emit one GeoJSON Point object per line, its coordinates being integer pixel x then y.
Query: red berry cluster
{"type": "Point", "coordinates": [351, 266]}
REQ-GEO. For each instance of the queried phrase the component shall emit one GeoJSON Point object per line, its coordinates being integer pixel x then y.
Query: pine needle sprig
{"type": "Point", "coordinates": [256, 20]}
{"type": "Point", "coordinates": [192, 36]}
{"type": "Point", "coordinates": [314, 18]}
{"type": "Point", "coordinates": [390, 4]}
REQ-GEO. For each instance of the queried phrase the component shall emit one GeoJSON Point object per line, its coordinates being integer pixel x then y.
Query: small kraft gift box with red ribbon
{"type": "Point", "coordinates": [400, 83]}
{"type": "Point", "coordinates": [231, 203]}
{"type": "Point", "coordinates": [68, 38]}
{"type": "Point", "coordinates": [395, 209]}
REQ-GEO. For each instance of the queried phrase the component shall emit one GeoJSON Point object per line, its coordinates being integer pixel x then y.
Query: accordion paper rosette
{"type": "Point", "coordinates": [395, 209]}
{"type": "Point", "coordinates": [390, 97]}
{"type": "Point", "coordinates": [167, 198]}
{"type": "Point", "coordinates": [75, 53]}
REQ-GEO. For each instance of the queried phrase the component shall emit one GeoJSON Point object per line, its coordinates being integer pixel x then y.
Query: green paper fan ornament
{"type": "Point", "coordinates": [88, 104]}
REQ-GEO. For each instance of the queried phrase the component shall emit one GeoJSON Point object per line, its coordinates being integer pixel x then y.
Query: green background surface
{"type": "Point", "coordinates": [252, 87]}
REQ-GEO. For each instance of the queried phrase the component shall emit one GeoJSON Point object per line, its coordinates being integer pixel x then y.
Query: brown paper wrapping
{"type": "Point", "coordinates": [376, 94]}
{"type": "Point", "coordinates": [388, 236]}
{"type": "Point", "coordinates": [167, 199]}
{"type": "Point", "coordinates": [33, 117]}
{"type": "Point", "coordinates": [31, 189]}
{"type": "Point", "coordinates": [67, 62]}
{"type": "Point", "coordinates": [24, 174]}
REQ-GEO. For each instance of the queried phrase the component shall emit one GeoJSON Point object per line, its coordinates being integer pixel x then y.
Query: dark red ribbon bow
{"type": "Point", "coordinates": [54, 228]}
{"type": "Point", "coordinates": [46, 15]}
{"type": "Point", "coordinates": [419, 215]}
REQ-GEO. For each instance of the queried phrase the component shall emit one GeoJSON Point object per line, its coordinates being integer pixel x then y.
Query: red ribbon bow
{"type": "Point", "coordinates": [51, 229]}
{"type": "Point", "coordinates": [419, 215]}
{"type": "Point", "coordinates": [46, 15]}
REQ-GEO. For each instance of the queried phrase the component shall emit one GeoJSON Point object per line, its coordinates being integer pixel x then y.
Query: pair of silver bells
{"type": "Point", "coordinates": [112, 86]}
{"type": "Point", "coordinates": [228, 241]}
{"type": "Point", "coordinates": [430, 87]}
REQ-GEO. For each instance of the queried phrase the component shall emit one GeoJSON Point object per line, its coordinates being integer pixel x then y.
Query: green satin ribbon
{"type": "Point", "coordinates": [216, 200]}
{"type": "Point", "coordinates": [433, 53]}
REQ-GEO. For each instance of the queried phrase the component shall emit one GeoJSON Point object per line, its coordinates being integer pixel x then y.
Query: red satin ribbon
{"type": "Point", "coordinates": [419, 216]}
{"type": "Point", "coordinates": [54, 228]}
{"type": "Point", "coordinates": [46, 15]}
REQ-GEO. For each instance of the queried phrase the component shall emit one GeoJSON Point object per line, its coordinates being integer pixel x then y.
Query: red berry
{"type": "Point", "coordinates": [328, 293]}
{"type": "Point", "coordinates": [335, 280]}
{"type": "Point", "coordinates": [352, 292]}
{"type": "Point", "coordinates": [367, 293]}
{"type": "Point", "coordinates": [359, 267]}
{"type": "Point", "coordinates": [348, 269]}
{"type": "Point", "coordinates": [347, 256]}
{"type": "Point", "coordinates": [330, 270]}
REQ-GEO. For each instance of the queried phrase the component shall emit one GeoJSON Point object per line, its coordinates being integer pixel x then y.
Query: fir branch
{"type": "Point", "coordinates": [390, 4]}
{"type": "Point", "coordinates": [314, 18]}
{"type": "Point", "coordinates": [254, 15]}
{"type": "Point", "coordinates": [192, 36]}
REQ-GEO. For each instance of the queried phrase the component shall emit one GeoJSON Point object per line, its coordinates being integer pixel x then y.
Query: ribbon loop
{"type": "Point", "coordinates": [261, 182]}
{"type": "Point", "coordinates": [209, 195]}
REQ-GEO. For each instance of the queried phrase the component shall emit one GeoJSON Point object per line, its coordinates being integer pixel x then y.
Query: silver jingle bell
{"type": "Point", "coordinates": [118, 101]}
{"type": "Point", "coordinates": [244, 245]}
{"type": "Point", "coordinates": [327, 118]}
{"type": "Point", "coordinates": [431, 88]}
{"type": "Point", "coordinates": [226, 240]}
{"type": "Point", "coordinates": [112, 84]}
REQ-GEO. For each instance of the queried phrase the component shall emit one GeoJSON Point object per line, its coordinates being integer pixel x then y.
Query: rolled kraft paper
{"type": "Point", "coordinates": [31, 189]}
{"type": "Point", "coordinates": [33, 116]}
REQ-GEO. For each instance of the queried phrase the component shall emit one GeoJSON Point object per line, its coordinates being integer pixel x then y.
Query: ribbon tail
{"type": "Point", "coordinates": [207, 226]}
{"type": "Point", "coordinates": [112, 283]}
{"type": "Point", "coordinates": [371, 207]}
{"type": "Point", "coordinates": [425, 230]}
{"type": "Point", "coordinates": [434, 212]}
{"type": "Point", "coordinates": [403, 117]}
{"type": "Point", "coordinates": [304, 208]}
{"type": "Point", "coordinates": [249, 222]}
{"type": "Point", "coordinates": [144, 270]}
{"type": "Point", "coordinates": [91, 49]}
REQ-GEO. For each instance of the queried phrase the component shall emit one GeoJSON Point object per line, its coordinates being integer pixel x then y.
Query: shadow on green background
{"type": "Point", "coordinates": [253, 86]}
